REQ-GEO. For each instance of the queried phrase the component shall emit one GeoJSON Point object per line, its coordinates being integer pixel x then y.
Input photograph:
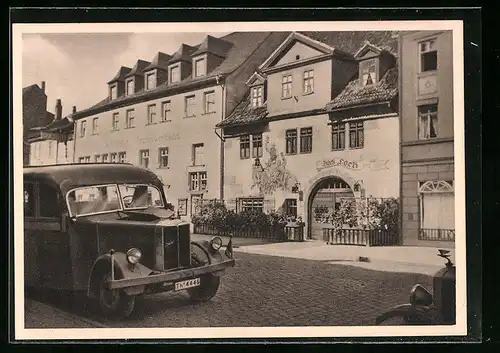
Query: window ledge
{"type": "Point", "coordinates": [308, 152]}
{"type": "Point", "coordinates": [208, 113]}
{"type": "Point", "coordinates": [291, 154]}
{"type": "Point", "coordinates": [162, 168]}
{"type": "Point", "coordinates": [356, 148]}
{"type": "Point", "coordinates": [285, 98]}
{"type": "Point", "coordinates": [428, 141]}
{"type": "Point", "coordinates": [338, 149]}
{"type": "Point", "coordinates": [151, 124]}
{"type": "Point", "coordinates": [165, 121]}
{"type": "Point", "coordinates": [307, 93]}
{"type": "Point", "coordinates": [115, 130]}
{"type": "Point", "coordinates": [427, 73]}
{"type": "Point", "coordinates": [129, 127]}
{"type": "Point", "coordinates": [188, 116]}
{"type": "Point", "coordinates": [198, 191]}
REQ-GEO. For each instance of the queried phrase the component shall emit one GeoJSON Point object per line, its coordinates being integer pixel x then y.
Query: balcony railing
{"type": "Point", "coordinates": [437, 234]}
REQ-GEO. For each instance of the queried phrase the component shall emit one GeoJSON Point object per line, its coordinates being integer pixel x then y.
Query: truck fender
{"type": "Point", "coordinates": [213, 256]}
{"type": "Point", "coordinates": [420, 313]}
{"type": "Point", "coordinates": [122, 270]}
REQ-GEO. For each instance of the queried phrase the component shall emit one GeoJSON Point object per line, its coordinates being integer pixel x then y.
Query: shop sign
{"type": "Point", "coordinates": [373, 165]}
{"type": "Point", "coordinates": [144, 140]}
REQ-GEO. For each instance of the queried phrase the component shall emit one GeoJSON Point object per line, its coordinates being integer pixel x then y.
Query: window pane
{"type": "Point", "coordinates": [140, 196]}
{"type": "Point", "coordinates": [29, 200]}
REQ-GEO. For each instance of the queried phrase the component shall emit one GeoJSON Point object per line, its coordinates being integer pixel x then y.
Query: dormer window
{"type": "Point", "coordinates": [129, 87]}
{"type": "Point", "coordinates": [150, 80]}
{"type": "Point", "coordinates": [113, 91]}
{"type": "Point", "coordinates": [199, 67]}
{"type": "Point", "coordinates": [368, 71]}
{"type": "Point", "coordinates": [175, 74]}
{"type": "Point", "coordinates": [257, 96]}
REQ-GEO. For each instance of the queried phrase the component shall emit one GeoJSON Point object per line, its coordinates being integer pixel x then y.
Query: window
{"type": "Point", "coordinates": [306, 134]}
{"type": "Point", "coordinates": [198, 181]}
{"type": "Point", "coordinates": [437, 213]}
{"type": "Point", "coordinates": [308, 81]}
{"type": "Point", "coordinates": [50, 148]}
{"type": "Point", "coordinates": [87, 159]}
{"type": "Point", "coordinates": [209, 102]}
{"type": "Point", "coordinates": [198, 154]}
{"type": "Point", "coordinates": [286, 86]}
{"type": "Point", "coordinates": [252, 204]}
{"type": "Point", "coordinates": [151, 114]}
{"type": "Point", "coordinates": [165, 111]}
{"type": "Point", "coordinates": [122, 157]}
{"type": "Point", "coordinates": [97, 158]}
{"type": "Point", "coordinates": [199, 67]}
{"type": "Point", "coordinates": [49, 201]}
{"type": "Point", "coordinates": [140, 196]}
{"type": "Point", "coordinates": [175, 74]}
{"type": "Point", "coordinates": [130, 119]}
{"type": "Point", "coordinates": [163, 157]}
{"type": "Point", "coordinates": [95, 126]}
{"type": "Point", "coordinates": [291, 207]}
{"type": "Point", "coordinates": [144, 159]}
{"type": "Point", "coordinates": [428, 120]}
{"type": "Point", "coordinates": [257, 96]}
{"type": "Point", "coordinates": [113, 92]}
{"type": "Point", "coordinates": [356, 135]}
{"type": "Point", "coordinates": [151, 80]}
{"type": "Point", "coordinates": [368, 72]}
{"type": "Point", "coordinates": [338, 136]}
{"type": "Point", "coordinates": [114, 158]}
{"type": "Point", "coordinates": [257, 145]}
{"type": "Point", "coordinates": [245, 147]}
{"type": "Point", "coordinates": [83, 126]}
{"type": "Point", "coordinates": [196, 202]}
{"type": "Point", "coordinates": [81, 160]}
{"type": "Point", "coordinates": [129, 87]}
{"type": "Point", "coordinates": [105, 158]}
{"type": "Point", "coordinates": [189, 106]}
{"type": "Point", "coordinates": [291, 141]}
{"type": "Point", "coordinates": [116, 121]}
{"type": "Point", "coordinates": [428, 56]}
{"type": "Point", "coordinates": [29, 200]}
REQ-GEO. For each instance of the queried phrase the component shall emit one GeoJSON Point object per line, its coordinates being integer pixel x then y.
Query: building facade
{"type": "Point", "coordinates": [53, 143]}
{"type": "Point", "coordinates": [35, 114]}
{"type": "Point", "coordinates": [427, 148]}
{"type": "Point", "coordinates": [319, 122]}
{"type": "Point", "coordinates": [161, 114]}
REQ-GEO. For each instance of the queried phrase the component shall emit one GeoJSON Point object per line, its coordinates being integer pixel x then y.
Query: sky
{"type": "Point", "coordinates": [77, 66]}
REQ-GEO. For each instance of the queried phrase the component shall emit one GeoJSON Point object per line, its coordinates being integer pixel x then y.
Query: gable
{"type": "Point", "coordinates": [296, 49]}
{"type": "Point", "coordinates": [368, 54]}
{"type": "Point", "coordinates": [255, 79]}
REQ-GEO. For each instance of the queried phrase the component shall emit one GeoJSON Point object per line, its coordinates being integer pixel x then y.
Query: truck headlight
{"type": "Point", "coordinates": [216, 243]}
{"type": "Point", "coordinates": [133, 255]}
{"type": "Point", "coordinates": [420, 296]}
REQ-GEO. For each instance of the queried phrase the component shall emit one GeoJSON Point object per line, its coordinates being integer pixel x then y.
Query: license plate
{"type": "Point", "coordinates": [190, 283]}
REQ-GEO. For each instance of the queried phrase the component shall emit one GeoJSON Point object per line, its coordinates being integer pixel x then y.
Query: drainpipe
{"type": "Point", "coordinates": [57, 145]}
{"type": "Point", "coordinates": [223, 117]}
{"type": "Point", "coordinates": [74, 139]}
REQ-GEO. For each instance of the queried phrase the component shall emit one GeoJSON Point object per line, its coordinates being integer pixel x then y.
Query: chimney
{"type": "Point", "coordinates": [43, 86]}
{"type": "Point", "coordinates": [58, 110]}
{"type": "Point", "coordinates": [74, 109]}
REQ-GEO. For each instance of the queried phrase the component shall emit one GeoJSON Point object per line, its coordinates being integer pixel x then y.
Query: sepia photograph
{"type": "Point", "coordinates": [259, 180]}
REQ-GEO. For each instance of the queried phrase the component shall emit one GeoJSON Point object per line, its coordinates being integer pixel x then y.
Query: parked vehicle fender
{"type": "Point", "coordinates": [420, 313]}
{"type": "Point", "coordinates": [122, 270]}
{"type": "Point", "coordinates": [214, 256]}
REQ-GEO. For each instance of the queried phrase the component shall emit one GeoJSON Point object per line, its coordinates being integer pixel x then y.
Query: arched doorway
{"type": "Point", "coordinates": [324, 199]}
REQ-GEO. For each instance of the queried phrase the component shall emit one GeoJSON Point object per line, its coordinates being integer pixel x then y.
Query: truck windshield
{"type": "Point", "coordinates": [106, 198]}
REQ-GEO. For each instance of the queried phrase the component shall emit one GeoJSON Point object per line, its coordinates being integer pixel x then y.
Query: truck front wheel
{"type": "Point", "coordinates": [114, 303]}
{"type": "Point", "coordinates": [209, 285]}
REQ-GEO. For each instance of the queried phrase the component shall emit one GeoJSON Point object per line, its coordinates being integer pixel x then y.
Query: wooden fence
{"type": "Point", "coordinates": [360, 237]}
{"type": "Point", "coordinates": [286, 233]}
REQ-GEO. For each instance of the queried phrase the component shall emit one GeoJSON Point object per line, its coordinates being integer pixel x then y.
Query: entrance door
{"type": "Point", "coordinates": [324, 201]}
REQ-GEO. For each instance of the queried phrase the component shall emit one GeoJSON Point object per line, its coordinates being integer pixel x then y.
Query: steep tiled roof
{"type": "Point", "coordinates": [244, 114]}
{"type": "Point", "coordinates": [352, 41]}
{"type": "Point", "coordinates": [160, 61]}
{"type": "Point", "coordinates": [182, 54]}
{"type": "Point", "coordinates": [355, 94]}
{"type": "Point", "coordinates": [213, 45]}
{"type": "Point", "coordinates": [30, 87]}
{"type": "Point", "coordinates": [243, 45]}
{"type": "Point", "coordinates": [120, 75]}
{"type": "Point", "coordinates": [138, 68]}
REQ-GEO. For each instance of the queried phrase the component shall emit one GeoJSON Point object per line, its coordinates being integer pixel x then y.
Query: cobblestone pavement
{"type": "Point", "coordinates": [273, 291]}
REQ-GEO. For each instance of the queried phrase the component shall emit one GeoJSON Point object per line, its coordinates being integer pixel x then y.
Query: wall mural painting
{"type": "Point", "coordinates": [272, 175]}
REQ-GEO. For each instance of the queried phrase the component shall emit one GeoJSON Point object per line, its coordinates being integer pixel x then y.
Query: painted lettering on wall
{"type": "Point", "coordinates": [373, 165]}
{"type": "Point", "coordinates": [144, 140]}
